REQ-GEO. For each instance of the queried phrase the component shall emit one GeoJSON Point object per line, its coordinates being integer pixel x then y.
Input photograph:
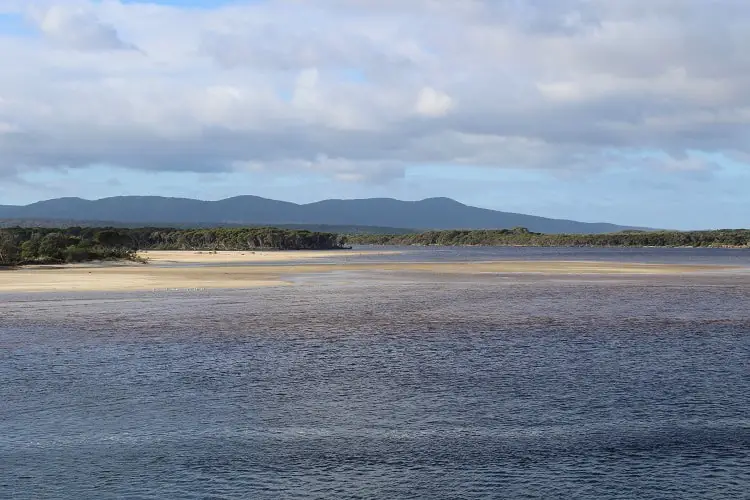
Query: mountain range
{"type": "Point", "coordinates": [431, 213]}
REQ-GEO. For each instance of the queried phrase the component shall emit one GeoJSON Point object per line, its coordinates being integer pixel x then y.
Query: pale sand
{"type": "Point", "coordinates": [237, 257]}
{"type": "Point", "coordinates": [149, 277]}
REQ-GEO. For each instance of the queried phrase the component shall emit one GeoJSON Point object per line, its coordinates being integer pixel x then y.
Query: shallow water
{"type": "Point", "coordinates": [409, 387]}
{"type": "Point", "coordinates": [655, 255]}
{"type": "Point", "coordinates": [373, 253]}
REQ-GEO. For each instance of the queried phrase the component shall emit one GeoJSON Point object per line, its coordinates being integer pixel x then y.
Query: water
{"type": "Point", "coordinates": [374, 253]}
{"type": "Point", "coordinates": [654, 255]}
{"type": "Point", "coordinates": [409, 387]}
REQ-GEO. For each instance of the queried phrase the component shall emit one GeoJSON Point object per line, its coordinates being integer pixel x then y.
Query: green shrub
{"type": "Point", "coordinates": [77, 254]}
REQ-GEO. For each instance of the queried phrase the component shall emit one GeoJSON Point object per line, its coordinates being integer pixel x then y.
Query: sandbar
{"type": "Point", "coordinates": [239, 257]}
{"type": "Point", "coordinates": [150, 277]}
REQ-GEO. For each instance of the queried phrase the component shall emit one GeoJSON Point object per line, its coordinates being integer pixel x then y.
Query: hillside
{"type": "Point", "coordinates": [431, 213]}
{"type": "Point", "coordinates": [322, 228]}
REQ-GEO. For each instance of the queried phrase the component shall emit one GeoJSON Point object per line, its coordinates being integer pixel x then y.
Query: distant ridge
{"type": "Point", "coordinates": [323, 228]}
{"type": "Point", "coordinates": [431, 213]}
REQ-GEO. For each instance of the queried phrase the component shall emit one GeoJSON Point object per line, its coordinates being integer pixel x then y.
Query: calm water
{"type": "Point", "coordinates": [648, 255]}
{"type": "Point", "coordinates": [390, 388]}
{"type": "Point", "coordinates": [372, 253]}
{"type": "Point", "coordinates": [727, 256]}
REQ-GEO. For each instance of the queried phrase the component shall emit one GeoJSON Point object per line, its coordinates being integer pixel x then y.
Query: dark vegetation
{"type": "Point", "coordinates": [245, 211]}
{"type": "Point", "coordinates": [730, 238]}
{"type": "Point", "coordinates": [80, 244]}
{"type": "Point", "coordinates": [321, 228]}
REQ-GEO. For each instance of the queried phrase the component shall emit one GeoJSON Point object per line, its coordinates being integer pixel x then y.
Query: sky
{"type": "Point", "coordinates": [627, 111]}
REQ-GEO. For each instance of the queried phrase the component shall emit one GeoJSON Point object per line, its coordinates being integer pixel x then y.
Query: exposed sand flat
{"type": "Point", "coordinates": [238, 257]}
{"type": "Point", "coordinates": [132, 278]}
{"type": "Point", "coordinates": [148, 277]}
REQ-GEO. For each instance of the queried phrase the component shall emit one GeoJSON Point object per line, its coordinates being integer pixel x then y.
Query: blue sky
{"type": "Point", "coordinates": [203, 4]}
{"type": "Point", "coordinates": [595, 110]}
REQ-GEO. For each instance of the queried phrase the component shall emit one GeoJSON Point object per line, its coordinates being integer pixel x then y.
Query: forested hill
{"type": "Point", "coordinates": [77, 244]}
{"type": "Point", "coordinates": [431, 213]}
{"type": "Point", "coordinates": [731, 238]}
{"type": "Point", "coordinates": [318, 228]}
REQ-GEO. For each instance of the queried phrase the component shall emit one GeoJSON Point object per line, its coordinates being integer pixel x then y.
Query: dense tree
{"type": "Point", "coordinates": [30, 248]}
{"type": "Point", "coordinates": [523, 237]}
{"type": "Point", "coordinates": [53, 245]}
{"type": "Point", "coordinates": [111, 238]}
{"type": "Point", "coordinates": [78, 244]}
{"type": "Point", "coordinates": [9, 251]}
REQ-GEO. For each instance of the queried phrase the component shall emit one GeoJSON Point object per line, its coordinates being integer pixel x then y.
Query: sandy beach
{"type": "Point", "coordinates": [158, 275]}
{"type": "Point", "coordinates": [237, 257]}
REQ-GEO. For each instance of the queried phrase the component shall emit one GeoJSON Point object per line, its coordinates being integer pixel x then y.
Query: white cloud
{"type": "Point", "coordinates": [78, 28]}
{"type": "Point", "coordinates": [434, 103]}
{"type": "Point", "coordinates": [375, 85]}
{"type": "Point", "coordinates": [338, 168]}
{"type": "Point", "coordinates": [7, 128]}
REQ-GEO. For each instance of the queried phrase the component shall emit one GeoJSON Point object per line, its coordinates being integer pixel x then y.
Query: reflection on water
{"type": "Point", "coordinates": [522, 388]}
{"type": "Point", "coordinates": [715, 256]}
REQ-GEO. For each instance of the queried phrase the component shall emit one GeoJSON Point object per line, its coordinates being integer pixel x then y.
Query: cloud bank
{"type": "Point", "coordinates": [362, 90]}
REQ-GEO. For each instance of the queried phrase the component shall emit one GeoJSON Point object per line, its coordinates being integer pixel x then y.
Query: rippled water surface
{"type": "Point", "coordinates": [716, 256]}
{"type": "Point", "coordinates": [391, 388]}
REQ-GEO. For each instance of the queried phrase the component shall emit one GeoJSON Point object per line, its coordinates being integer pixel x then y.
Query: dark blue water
{"type": "Point", "coordinates": [372, 253]}
{"type": "Point", "coordinates": [535, 388]}
{"type": "Point", "coordinates": [715, 256]}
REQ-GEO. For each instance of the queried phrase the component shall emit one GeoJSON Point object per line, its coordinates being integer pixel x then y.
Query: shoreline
{"type": "Point", "coordinates": [284, 269]}
{"type": "Point", "coordinates": [520, 245]}
{"type": "Point", "coordinates": [250, 256]}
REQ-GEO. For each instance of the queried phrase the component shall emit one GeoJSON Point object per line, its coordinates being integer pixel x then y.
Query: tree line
{"type": "Point", "coordinates": [80, 244]}
{"type": "Point", "coordinates": [727, 238]}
